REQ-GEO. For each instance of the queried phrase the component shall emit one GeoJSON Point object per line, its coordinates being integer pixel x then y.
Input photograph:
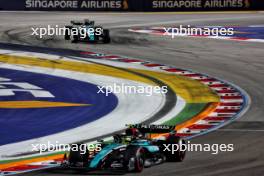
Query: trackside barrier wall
{"type": "Point", "coordinates": [132, 5]}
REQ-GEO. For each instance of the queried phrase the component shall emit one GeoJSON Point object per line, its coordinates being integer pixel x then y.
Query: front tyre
{"type": "Point", "coordinates": [67, 35]}
{"type": "Point", "coordinates": [75, 39]}
{"type": "Point", "coordinates": [78, 156]}
{"type": "Point", "coordinates": [135, 158]}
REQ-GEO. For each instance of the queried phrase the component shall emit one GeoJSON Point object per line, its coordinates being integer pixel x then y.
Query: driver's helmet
{"type": "Point", "coordinates": [88, 22]}
{"type": "Point", "coordinates": [173, 132]}
{"type": "Point", "coordinates": [92, 23]}
{"type": "Point", "coordinates": [134, 132]}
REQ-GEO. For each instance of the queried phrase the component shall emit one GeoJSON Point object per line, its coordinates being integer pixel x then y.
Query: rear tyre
{"type": "Point", "coordinates": [106, 36]}
{"type": "Point", "coordinates": [178, 155]}
{"type": "Point", "coordinates": [135, 159]}
{"type": "Point", "coordinates": [86, 21]}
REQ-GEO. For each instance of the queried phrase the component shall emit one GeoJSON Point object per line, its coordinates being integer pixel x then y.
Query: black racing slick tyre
{"type": "Point", "coordinates": [175, 155]}
{"type": "Point", "coordinates": [106, 36]}
{"type": "Point", "coordinates": [135, 158]}
{"type": "Point", "coordinates": [67, 35]}
{"type": "Point", "coordinates": [75, 39]}
{"type": "Point", "coordinates": [77, 155]}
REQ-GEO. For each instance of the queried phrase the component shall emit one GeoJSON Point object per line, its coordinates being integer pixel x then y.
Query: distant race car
{"type": "Point", "coordinates": [86, 31]}
{"type": "Point", "coordinates": [129, 152]}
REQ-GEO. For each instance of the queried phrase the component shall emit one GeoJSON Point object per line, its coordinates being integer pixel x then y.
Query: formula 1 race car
{"type": "Point", "coordinates": [86, 31]}
{"type": "Point", "coordinates": [130, 151]}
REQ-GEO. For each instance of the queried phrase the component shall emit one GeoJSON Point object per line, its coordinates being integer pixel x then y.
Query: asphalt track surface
{"type": "Point", "coordinates": [241, 63]}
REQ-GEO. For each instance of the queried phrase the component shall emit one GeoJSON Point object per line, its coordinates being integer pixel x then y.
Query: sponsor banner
{"type": "Point", "coordinates": [67, 5]}
{"type": "Point", "coordinates": [131, 5]}
{"type": "Point", "coordinates": [185, 5]}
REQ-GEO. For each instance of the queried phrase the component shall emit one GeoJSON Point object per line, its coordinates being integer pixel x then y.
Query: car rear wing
{"type": "Point", "coordinates": [74, 22]}
{"type": "Point", "coordinates": [143, 128]}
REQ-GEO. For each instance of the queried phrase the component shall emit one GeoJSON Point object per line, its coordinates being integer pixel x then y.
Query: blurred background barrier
{"type": "Point", "coordinates": [132, 5]}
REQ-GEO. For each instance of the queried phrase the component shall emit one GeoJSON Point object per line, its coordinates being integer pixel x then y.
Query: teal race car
{"type": "Point", "coordinates": [86, 31]}
{"type": "Point", "coordinates": [131, 151]}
